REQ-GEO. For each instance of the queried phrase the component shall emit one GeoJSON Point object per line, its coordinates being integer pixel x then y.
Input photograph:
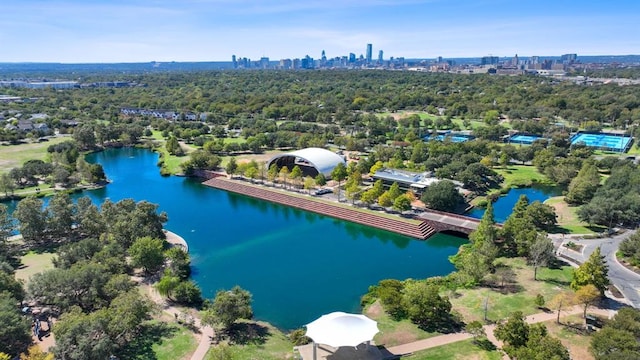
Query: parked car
{"type": "Point", "coordinates": [322, 191]}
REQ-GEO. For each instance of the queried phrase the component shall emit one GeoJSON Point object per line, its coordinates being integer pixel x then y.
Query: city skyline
{"type": "Point", "coordinates": [74, 31]}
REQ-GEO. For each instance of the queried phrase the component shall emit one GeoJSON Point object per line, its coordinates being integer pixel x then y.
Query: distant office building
{"type": "Point", "coordinates": [307, 62]}
{"type": "Point", "coordinates": [380, 57]}
{"type": "Point", "coordinates": [352, 57]}
{"type": "Point", "coordinates": [489, 60]}
{"type": "Point", "coordinates": [569, 58]}
{"type": "Point", "coordinates": [439, 59]}
{"type": "Point", "coordinates": [234, 61]}
{"type": "Point", "coordinates": [264, 62]}
{"type": "Point", "coordinates": [369, 53]}
{"type": "Point", "coordinates": [286, 64]}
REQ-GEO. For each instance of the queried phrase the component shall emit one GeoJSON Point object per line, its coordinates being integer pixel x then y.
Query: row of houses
{"type": "Point", "coordinates": [160, 114]}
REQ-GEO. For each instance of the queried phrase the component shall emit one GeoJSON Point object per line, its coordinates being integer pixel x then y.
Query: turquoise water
{"type": "Point", "coordinates": [503, 207]}
{"type": "Point", "coordinates": [297, 265]}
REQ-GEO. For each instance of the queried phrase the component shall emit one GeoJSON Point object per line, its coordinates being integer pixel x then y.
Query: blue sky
{"type": "Point", "coordinates": [74, 31]}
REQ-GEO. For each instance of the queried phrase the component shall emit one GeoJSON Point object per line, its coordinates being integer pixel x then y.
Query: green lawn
{"type": "Point", "coordinates": [517, 297]}
{"type": "Point", "coordinates": [178, 345]}
{"type": "Point", "coordinates": [12, 156]}
{"type": "Point", "coordinates": [393, 332]}
{"type": "Point", "coordinates": [460, 350]}
{"type": "Point", "coordinates": [33, 263]}
{"type": "Point", "coordinates": [274, 345]}
{"type": "Point", "coordinates": [521, 176]}
{"type": "Point", "coordinates": [568, 220]}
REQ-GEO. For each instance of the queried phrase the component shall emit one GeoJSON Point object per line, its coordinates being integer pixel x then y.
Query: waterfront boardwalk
{"type": "Point", "coordinates": [413, 228]}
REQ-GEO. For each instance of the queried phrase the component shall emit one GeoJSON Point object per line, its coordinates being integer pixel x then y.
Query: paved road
{"type": "Point", "coordinates": [627, 281]}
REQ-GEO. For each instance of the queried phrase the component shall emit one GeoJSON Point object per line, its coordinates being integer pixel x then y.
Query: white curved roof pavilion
{"type": "Point", "coordinates": [310, 160]}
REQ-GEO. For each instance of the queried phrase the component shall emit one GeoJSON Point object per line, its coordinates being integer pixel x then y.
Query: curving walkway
{"type": "Point", "coordinates": [206, 332]}
{"type": "Point", "coordinates": [415, 229]}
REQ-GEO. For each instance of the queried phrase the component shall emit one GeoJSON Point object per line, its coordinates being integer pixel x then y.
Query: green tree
{"type": "Point", "coordinates": [15, 334]}
{"type": "Point", "coordinates": [389, 291]}
{"type": "Point", "coordinates": [394, 191]}
{"type": "Point", "coordinates": [384, 200]}
{"type": "Point", "coordinates": [187, 293]}
{"type": "Point", "coordinates": [540, 253]}
{"type": "Point", "coordinates": [402, 203]}
{"type": "Point", "coordinates": [542, 216]}
{"type": "Point", "coordinates": [147, 253]}
{"type": "Point", "coordinates": [32, 219]}
{"type": "Point", "coordinates": [178, 262]}
{"type": "Point", "coordinates": [228, 306]}
{"type": "Point", "coordinates": [60, 215]}
{"type": "Point", "coordinates": [320, 180]}
{"type": "Point", "coordinates": [309, 183]}
{"type": "Point", "coordinates": [338, 174]}
{"type": "Point", "coordinates": [272, 173]}
{"type": "Point", "coordinates": [593, 271]}
{"type": "Point", "coordinates": [7, 185]}
{"type": "Point", "coordinates": [80, 285]}
{"type": "Point", "coordinates": [583, 187]}
{"type": "Point", "coordinates": [425, 307]}
{"type": "Point", "coordinates": [34, 353]}
{"type": "Point", "coordinates": [167, 285]}
{"type": "Point", "coordinates": [514, 332]}
{"type": "Point", "coordinates": [476, 329]}
{"type": "Point", "coordinates": [232, 166]}
{"type": "Point", "coordinates": [296, 175]}
{"type": "Point", "coordinates": [443, 196]}
{"type": "Point", "coordinates": [284, 174]}
{"type": "Point", "coordinates": [586, 296]}
{"type": "Point", "coordinates": [83, 336]}
{"type": "Point", "coordinates": [613, 344]}
{"type": "Point", "coordinates": [378, 165]}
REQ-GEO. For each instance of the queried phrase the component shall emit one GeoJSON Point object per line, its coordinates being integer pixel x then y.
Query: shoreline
{"type": "Point", "coordinates": [176, 240]}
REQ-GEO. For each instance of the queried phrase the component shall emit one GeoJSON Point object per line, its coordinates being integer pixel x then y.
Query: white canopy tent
{"type": "Point", "coordinates": [341, 329]}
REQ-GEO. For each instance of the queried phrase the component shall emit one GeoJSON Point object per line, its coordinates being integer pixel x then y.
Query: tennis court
{"type": "Point", "coordinates": [603, 141]}
{"type": "Point", "coordinates": [452, 138]}
{"type": "Point", "coordinates": [524, 139]}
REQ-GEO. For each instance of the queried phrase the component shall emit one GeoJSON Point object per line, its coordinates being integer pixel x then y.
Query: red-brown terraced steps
{"type": "Point", "coordinates": [421, 230]}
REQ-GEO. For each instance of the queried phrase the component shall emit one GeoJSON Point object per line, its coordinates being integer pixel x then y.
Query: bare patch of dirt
{"type": "Point", "coordinates": [375, 310]}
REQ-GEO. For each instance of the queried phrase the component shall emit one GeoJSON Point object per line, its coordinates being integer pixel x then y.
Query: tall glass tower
{"type": "Point", "coordinates": [369, 53]}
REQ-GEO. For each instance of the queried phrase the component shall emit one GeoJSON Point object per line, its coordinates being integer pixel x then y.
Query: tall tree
{"type": "Point", "coordinates": [583, 187]}
{"type": "Point", "coordinates": [443, 196]}
{"type": "Point", "coordinates": [15, 333]}
{"type": "Point", "coordinates": [32, 219]}
{"type": "Point", "coordinates": [540, 253]}
{"type": "Point", "coordinates": [425, 307]}
{"type": "Point", "coordinates": [147, 253]}
{"type": "Point", "coordinates": [61, 215]}
{"type": "Point", "coordinates": [586, 296]}
{"type": "Point", "coordinates": [514, 332]}
{"type": "Point", "coordinates": [228, 306]}
{"type": "Point", "coordinates": [594, 271]}
{"type": "Point", "coordinates": [338, 174]}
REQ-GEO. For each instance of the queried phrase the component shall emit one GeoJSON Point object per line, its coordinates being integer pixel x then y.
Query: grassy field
{"type": "Point", "coordinates": [273, 345]}
{"type": "Point", "coordinates": [33, 263]}
{"type": "Point", "coordinates": [521, 176]}
{"type": "Point", "coordinates": [12, 156]}
{"type": "Point", "coordinates": [180, 344]}
{"type": "Point", "coordinates": [518, 296]}
{"type": "Point", "coordinates": [460, 350]}
{"type": "Point", "coordinates": [578, 344]}
{"type": "Point", "coordinates": [393, 332]}
{"type": "Point", "coordinates": [568, 219]}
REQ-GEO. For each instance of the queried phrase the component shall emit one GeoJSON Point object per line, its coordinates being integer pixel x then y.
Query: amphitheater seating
{"type": "Point", "coordinates": [420, 230]}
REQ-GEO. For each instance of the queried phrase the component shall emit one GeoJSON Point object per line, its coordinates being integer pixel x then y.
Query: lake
{"type": "Point", "coordinates": [503, 207]}
{"type": "Point", "coordinates": [298, 265]}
